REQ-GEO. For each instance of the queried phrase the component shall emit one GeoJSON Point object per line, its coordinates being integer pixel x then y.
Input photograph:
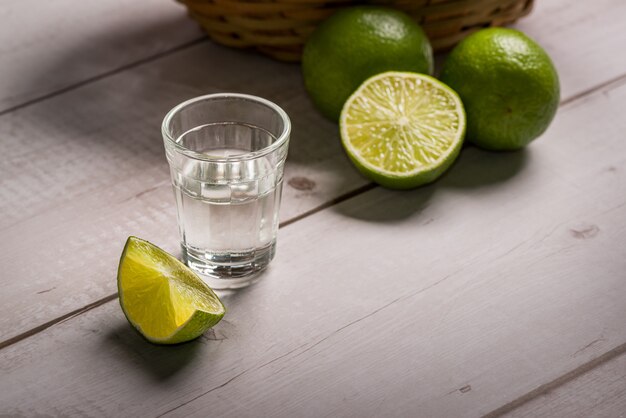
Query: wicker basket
{"type": "Point", "coordinates": [279, 28]}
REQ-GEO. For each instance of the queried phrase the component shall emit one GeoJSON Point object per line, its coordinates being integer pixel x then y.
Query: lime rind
{"type": "Point", "coordinates": [356, 43]}
{"type": "Point", "coordinates": [195, 326]}
{"type": "Point", "coordinates": [509, 86]}
{"type": "Point", "coordinates": [147, 271]}
{"type": "Point", "coordinates": [403, 129]}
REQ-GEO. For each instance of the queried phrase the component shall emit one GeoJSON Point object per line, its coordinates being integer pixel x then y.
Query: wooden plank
{"type": "Point", "coordinates": [48, 46]}
{"type": "Point", "coordinates": [598, 392]}
{"type": "Point", "coordinates": [451, 300]}
{"type": "Point", "coordinates": [103, 176]}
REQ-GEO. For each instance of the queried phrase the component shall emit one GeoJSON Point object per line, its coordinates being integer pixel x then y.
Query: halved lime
{"type": "Point", "coordinates": [161, 297]}
{"type": "Point", "coordinates": [403, 130]}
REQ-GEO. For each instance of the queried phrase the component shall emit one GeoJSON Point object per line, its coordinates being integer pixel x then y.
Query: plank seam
{"type": "Point", "coordinates": [205, 39]}
{"type": "Point", "coordinates": [546, 388]}
{"type": "Point", "coordinates": [36, 330]}
{"type": "Point", "coordinates": [103, 75]}
{"type": "Point", "coordinates": [63, 318]}
{"type": "Point", "coordinates": [613, 83]}
{"type": "Point", "coordinates": [332, 202]}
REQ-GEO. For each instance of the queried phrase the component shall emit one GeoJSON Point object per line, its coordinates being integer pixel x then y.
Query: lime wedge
{"type": "Point", "coordinates": [161, 297]}
{"type": "Point", "coordinates": [402, 130]}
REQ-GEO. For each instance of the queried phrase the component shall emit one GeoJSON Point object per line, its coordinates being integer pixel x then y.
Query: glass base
{"type": "Point", "coordinates": [231, 270]}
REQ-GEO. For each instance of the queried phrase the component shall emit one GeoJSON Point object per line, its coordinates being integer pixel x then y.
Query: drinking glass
{"type": "Point", "coordinates": [226, 154]}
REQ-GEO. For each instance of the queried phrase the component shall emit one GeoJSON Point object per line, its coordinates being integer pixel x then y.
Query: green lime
{"type": "Point", "coordinates": [508, 84]}
{"type": "Point", "coordinates": [403, 130]}
{"type": "Point", "coordinates": [161, 297]}
{"type": "Point", "coordinates": [356, 43]}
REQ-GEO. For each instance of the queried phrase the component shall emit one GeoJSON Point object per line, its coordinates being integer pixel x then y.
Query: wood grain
{"type": "Point", "coordinates": [450, 300]}
{"type": "Point", "coordinates": [49, 46]}
{"type": "Point", "coordinates": [85, 178]}
{"type": "Point", "coordinates": [89, 169]}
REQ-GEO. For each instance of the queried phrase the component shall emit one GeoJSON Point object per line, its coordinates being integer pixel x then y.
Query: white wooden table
{"type": "Point", "coordinates": [499, 290]}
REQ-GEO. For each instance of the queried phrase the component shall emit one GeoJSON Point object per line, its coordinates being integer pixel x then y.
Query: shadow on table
{"type": "Point", "coordinates": [230, 297]}
{"type": "Point", "coordinates": [163, 362]}
{"type": "Point", "coordinates": [475, 168]}
{"type": "Point", "coordinates": [386, 206]}
{"type": "Point", "coordinates": [160, 362]}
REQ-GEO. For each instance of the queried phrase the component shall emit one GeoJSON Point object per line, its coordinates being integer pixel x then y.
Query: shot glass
{"type": "Point", "coordinates": [226, 154]}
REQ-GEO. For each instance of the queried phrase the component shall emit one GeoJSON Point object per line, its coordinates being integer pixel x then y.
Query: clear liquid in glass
{"type": "Point", "coordinates": [228, 211]}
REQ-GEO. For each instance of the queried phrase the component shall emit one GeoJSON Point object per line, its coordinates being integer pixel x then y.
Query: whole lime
{"type": "Point", "coordinates": [356, 43]}
{"type": "Point", "coordinates": [508, 85]}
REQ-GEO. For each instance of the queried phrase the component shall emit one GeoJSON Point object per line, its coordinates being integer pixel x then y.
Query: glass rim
{"type": "Point", "coordinates": [282, 138]}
